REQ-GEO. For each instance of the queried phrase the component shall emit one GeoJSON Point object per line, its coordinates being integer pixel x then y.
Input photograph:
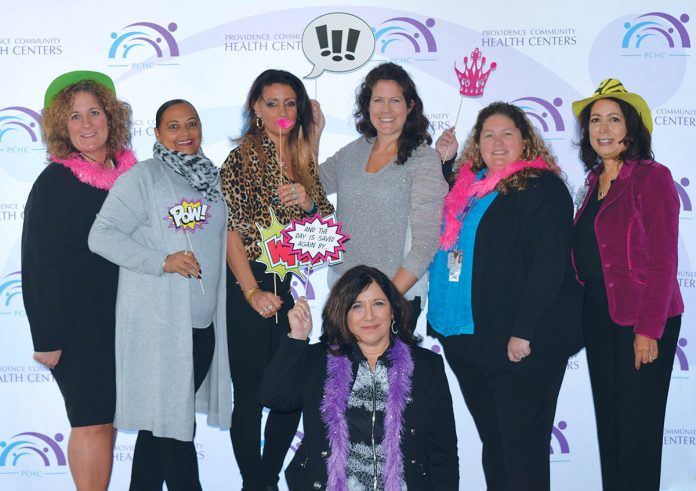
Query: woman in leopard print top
{"type": "Point", "coordinates": [274, 167]}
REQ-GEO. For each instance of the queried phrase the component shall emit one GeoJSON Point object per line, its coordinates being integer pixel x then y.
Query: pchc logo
{"type": "Point", "coordinates": [543, 114]}
{"type": "Point", "coordinates": [656, 30]}
{"type": "Point", "coordinates": [18, 120]}
{"type": "Point", "coordinates": [409, 38]}
{"type": "Point", "coordinates": [684, 198]}
{"type": "Point", "coordinates": [296, 441]}
{"type": "Point", "coordinates": [559, 440]}
{"type": "Point", "coordinates": [31, 450]}
{"type": "Point", "coordinates": [299, 284]}
{"type": "Point", "coordinates": [144, 40]}
{"type": "Point", "coordinates": [629, 47]}
{"type": "Point", "coordinates": [681, 362]}
{"type": "Point", "coordinates": [11, 294]}
{"type": "Point", "coordinates": [20, 140]}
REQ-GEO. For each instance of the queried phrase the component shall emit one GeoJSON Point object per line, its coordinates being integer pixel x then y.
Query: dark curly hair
{"type": "Point", "coordinates": [534, 146]}
{"type": "Point", "coordinates": [335, 332]}
{"type": "Point", "coordinates": [54, 120]}
{"type": "Point", "coordinates": [300, 136]}
{"type": "Point", "coordinates": [415, 130]}
{"type": "Point", "coordinates": [637, 140]}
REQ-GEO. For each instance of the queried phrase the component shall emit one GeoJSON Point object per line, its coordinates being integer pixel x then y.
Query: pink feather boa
{"type": "Point", "coordinates": [95, 175]}
{"type": "Point", "coordinates": [468, 187]}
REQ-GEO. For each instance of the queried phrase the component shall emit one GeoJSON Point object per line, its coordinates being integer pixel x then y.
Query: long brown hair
{"type": "Point", "coordinates": [300, 136]}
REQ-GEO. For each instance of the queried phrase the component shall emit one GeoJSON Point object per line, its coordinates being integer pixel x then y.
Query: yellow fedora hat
{"type": "Point", "coordinates": [613, 88]}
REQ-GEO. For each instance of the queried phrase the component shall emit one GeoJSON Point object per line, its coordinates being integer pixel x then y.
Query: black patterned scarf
{"type": "Point", "coordinates": [198, 170]}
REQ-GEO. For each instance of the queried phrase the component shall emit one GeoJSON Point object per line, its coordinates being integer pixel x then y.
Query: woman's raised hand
{"type": "Point", "coordinates": [300, 317]}
{"type": "Point", "coordinates": [446, 145]}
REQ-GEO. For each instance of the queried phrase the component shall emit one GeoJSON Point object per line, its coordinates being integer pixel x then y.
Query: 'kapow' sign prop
{"type": "Point", "coordinates": [309, 242]}
{"type": "Point", "coordinates": [316, 240]}
{"type": "Point", "coordinates": [189, 215]}
{"type": "Point", "coordinates": [276, 255]}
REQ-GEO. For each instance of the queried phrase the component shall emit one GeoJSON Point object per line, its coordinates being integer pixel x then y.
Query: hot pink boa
{"type": "Point", "coordinates": [467, 187]}
{"type": "Point", "coordinates": [95, 175]}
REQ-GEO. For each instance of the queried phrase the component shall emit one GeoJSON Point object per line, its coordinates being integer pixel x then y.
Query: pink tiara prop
{"type": "Point", "coordinates": [473, 79]}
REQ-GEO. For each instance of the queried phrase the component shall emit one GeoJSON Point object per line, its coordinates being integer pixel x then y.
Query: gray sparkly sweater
{"type": "Point", "coordinates": [393, 215]}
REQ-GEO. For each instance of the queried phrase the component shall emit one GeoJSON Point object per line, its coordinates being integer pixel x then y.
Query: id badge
{"type": "Point", "coordinates": [454, 265]}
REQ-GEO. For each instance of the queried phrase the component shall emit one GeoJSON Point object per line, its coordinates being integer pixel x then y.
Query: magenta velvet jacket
{"type": "Point", "coordinates": [637, 230]}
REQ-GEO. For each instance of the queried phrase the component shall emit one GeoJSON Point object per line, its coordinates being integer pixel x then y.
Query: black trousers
{"type": "Point", "coordinates": [253, 341]}
{"type": "Point", "coordinates": [415, 305]}
{"type": "Point", "coordinates": [513, 411]}
{"type": "Point", "coordinates": [156, 459]}
{"type": "Point", "coordinates": [629, 404]}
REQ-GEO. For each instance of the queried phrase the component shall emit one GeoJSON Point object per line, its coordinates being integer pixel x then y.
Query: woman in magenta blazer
{"type": "Point", "coordinates": [625, 253]}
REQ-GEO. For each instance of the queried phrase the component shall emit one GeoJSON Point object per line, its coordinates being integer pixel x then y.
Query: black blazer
{"type": "Point", "coordinates": [523, 283]}
{"type": "Point", "coordinates": [295, 379]}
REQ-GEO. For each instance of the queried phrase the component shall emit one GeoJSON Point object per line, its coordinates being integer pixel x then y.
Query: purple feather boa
{"type": "Point", "coordinates": [339, 381]}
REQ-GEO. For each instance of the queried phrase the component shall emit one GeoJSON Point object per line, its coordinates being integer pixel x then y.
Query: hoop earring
{"type": "Point", "coordinates": [259, 123]}
{"type": "Point", "coordinates": [394, 330]}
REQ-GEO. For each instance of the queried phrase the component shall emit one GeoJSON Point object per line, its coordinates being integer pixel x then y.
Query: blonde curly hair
{"type": "Point", "coordinates": [54, 121]}
{"type": "Point", "coordinates": [534, 146]}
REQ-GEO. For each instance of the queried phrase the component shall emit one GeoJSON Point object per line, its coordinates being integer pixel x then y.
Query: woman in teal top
{"type": "Point", "coordinates": [503, 299]}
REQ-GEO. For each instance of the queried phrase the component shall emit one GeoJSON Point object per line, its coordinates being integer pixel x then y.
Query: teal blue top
{"type": "Point", "coordinates": [449, 302]}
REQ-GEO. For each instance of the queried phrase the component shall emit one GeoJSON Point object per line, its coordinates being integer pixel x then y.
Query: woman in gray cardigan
{"type": "Point", "coordinates": [164, 224]}
{"type": "Point", "coordinates": [388, 184]}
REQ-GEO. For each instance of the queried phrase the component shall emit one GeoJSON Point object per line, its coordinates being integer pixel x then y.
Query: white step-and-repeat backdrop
{"type": "Point", "coordinates": [548, 54]}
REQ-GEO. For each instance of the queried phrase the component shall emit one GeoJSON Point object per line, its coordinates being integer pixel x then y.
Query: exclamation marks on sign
{"type": "Point", "coordinates": [336, 38]}
{"type": "Point", "coordinates": [353, 36]}
{"type": "Point", "coordinates": [323, 40]}
{"type": "Point", "coordinates": [337, 43]}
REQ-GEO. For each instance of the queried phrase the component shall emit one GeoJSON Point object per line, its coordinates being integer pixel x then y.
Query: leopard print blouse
{"type": "Point", "coordinates": [250, 176]}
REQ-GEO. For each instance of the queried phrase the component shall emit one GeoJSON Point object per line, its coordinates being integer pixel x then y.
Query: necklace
{"type": "Point", "coordinates": [608, 180]}
{"type": "Point", "coordinates": [107, 164]}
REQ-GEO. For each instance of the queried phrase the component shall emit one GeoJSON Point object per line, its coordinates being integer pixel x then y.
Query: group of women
{"type": "Point", "coordinates": [139, 336]}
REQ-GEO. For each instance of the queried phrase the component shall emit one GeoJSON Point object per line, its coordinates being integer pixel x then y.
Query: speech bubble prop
{"type": "Point", "coordinates": [276, 255]}
{"type": "Point", "coordinates": [316, 240]}
{"type": "Point", "coordinates": [187, 215]}
{"type": "Point", "coordinates": [337, 42]}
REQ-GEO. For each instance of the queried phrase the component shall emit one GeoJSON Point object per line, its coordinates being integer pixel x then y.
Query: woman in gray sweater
{"type": "Point", "coordinates": [164, 224]}
{"type": "Point", "coordinates": [389, 184]}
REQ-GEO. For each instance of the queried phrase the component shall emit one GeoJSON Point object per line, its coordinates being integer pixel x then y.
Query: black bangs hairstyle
{"type": "Point", "coordinates": [335, 332]}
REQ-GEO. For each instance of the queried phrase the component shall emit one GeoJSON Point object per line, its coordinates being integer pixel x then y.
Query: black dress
{"type": "Point", "coordinates": [70, 293]}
